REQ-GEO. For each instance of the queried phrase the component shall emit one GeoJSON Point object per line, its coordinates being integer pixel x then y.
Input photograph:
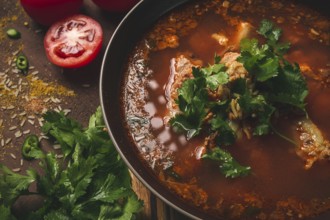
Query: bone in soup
{"type": "Point", "coordinates": [228, 103]}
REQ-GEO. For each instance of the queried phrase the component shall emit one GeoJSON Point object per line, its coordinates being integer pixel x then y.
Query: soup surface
{"type": "Point", "coordinates": [287, 180]}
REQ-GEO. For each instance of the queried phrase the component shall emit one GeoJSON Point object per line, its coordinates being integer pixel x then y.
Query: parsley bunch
{"type": "Point", "coordinates": [92, 183]}
{"type": "Point", "coordinates": [274, 85]}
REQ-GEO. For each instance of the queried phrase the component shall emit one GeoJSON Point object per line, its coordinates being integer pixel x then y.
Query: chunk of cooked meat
{"type": "Point", "coordinates": [235, 69]}
{"type": "Point", "coordinates": [180, 70]}
{"type": "Point", "coordinates": [221, 38]}
{"type": "Point", "coordinates": [242, 31]}
{"type": "Point", "coordinates": [312, 145]}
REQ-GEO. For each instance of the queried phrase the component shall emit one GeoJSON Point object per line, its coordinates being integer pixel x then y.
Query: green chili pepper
{"type": "Point", "coordinates": [30, 144]}
{"type": "Point", "coordinates": [13, 33]}
{"type": "Point", "coordinates": [22, 63]}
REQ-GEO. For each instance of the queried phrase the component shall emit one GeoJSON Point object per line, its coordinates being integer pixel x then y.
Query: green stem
{"type": "Point", "coordinates": [283, 136]}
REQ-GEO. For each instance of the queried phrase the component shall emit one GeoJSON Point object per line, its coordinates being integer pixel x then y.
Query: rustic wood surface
{"type": "Point", "coordinates": [83, 81]}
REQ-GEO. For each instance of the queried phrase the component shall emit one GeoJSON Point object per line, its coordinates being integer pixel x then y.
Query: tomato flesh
{"type": "Point", "coordinates": [46, 12]}
{"type": "Point", "coordinates": [74, 41]}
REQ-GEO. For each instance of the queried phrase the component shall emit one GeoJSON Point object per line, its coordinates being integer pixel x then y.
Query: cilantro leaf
{"type": "Point", "coordinates": [258, 61]}
{"type": "Point", "coordinates": [228, 166]}
{"type": "Point", "coordinates": [226, 136]}
{"type": "Point", "coordinates": [13, 184]}
{"type": "Point", "coordinates": [293, 89]}
{"type": "Point", "coordinates": [268, 30]}
{"type": "Point", "coordinates": [92, 183]}
{"type": "Point", "coordinates": [62, 129]}
{"type": "Point", "coordinates": [273, 85]}
{"type": "Point", "coordinates": [5, 213]}
{"type": "Point", "coordinates": [57, 215]}
{"type": "Point", "coordinates": [256, 107]}
{"type": "Point", "coordinates": [192, 101]}
{"type": "Point", "coordinates": [273, 34]}
{"type": "Point", "coordinates": [215, 80]}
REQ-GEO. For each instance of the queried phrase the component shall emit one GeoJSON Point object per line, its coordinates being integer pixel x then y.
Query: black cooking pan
{"type": "Point", "coordinates": [115, 60]}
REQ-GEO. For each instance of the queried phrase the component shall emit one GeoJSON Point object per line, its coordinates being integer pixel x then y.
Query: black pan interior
{"type": "Point", "coordinates": [128, 33]}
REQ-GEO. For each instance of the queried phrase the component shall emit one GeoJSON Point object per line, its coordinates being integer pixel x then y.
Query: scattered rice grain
{"type": "Point", "coordinates": [18, 134]}
{"type": "Point", "coordinates": [66, 111]}
{"type": "Point", "coordinates": [27, 131]}
{"type": "Point", "coordinates": [12, 128]}
{"type": "Point", "coordinates": [59, 156]}
{"type": "Point", "coordinates": [8, 140]}
{"type": "Point", "coordinates": [22, 113]}
{"type": "Point", "coordinates": [22, 122]}
{"type": "Point", "coordinates": [40, 123]}
{"type": "Point", "coordinates": [21, 162]}
{"type": "Point", "coordinates": [15, 52]}
{"type": "Point", "coordinates": [34, 73]}
{"type": "Point", "coordinates": [13, 156]}
{"type": "Point", "coordinates": [56, 146]}
{"type": "Point", "coordinates": [16, 170]}
{"type": "Point", "coordinates": [31, 117]}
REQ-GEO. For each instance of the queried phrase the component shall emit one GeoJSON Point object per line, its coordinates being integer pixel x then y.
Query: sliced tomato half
{"type": "Point", "coordinates": [74, 41]}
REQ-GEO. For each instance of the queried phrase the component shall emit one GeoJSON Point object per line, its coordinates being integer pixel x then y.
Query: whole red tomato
{"type": "Point", "coordinates": [46, 12]}
{"type": "Point", "coordinates": [116, 5]}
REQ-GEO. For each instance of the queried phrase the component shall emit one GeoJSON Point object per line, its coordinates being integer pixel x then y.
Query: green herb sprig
{"type": "Point", "coordinates": [277, 87]}
{"type": "Point", "coordinates": [92, 183]}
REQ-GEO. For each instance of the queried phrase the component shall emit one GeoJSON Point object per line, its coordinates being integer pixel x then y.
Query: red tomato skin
{"type": "Point", "coordinates": [46, 12]}
{"type": "Point", "coordinates": [116, 5]}
{"type": "Point", "coordinates": [74, 62]}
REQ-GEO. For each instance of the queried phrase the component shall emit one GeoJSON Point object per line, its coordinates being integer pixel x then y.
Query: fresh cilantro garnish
{"type": "Point", "coordinates": [228, 165]}
{"type": "Point", "coordinates": [280, 82]}
{"type": "Point", "coordinates": [273, 34]}
{"type": "Point", "coordinates": [192, 98]}
{"type": "Point", "coordinates": [92, 183]}
{"type": "Point", "coordinates": [273, 85]}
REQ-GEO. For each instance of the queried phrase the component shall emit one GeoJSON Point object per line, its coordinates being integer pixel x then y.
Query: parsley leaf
{"type": "Point", "coordinates": [12, 184]}
{"type": "Point", "coordinates": [92, 183]}
{"type": "Point", "coordinates": [293, 89]}
{"type": "Point", "coordinates": [226, 136]}
{"type": "Point", "coordinates": [273, 34]}
{"type": "Point", "coordinates": [259, 61]}
{"type": "Point", "coordinates": [192, 100]}
{"type": "Point", "coordinates": [228, 165]}
{"type": "Point", "coordinates": [5, 213]}
{"type": "Point", "coordinates": [281, 83]}
{"type": "Point", "coordinates": [272, 87]}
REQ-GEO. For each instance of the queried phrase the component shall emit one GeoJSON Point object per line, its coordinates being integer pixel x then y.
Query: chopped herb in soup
{"type": "Point", "coordinates": [228, 103]}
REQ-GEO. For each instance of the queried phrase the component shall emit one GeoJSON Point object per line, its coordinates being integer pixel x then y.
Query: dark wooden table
{"type": "Point", "coordinates": [20, 113]}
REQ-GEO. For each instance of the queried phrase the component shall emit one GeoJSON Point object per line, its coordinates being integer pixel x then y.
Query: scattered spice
{"type": "Point", "coordinates": [23, 99]}
{"type": "Point", "coordinates": [40, 88]}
